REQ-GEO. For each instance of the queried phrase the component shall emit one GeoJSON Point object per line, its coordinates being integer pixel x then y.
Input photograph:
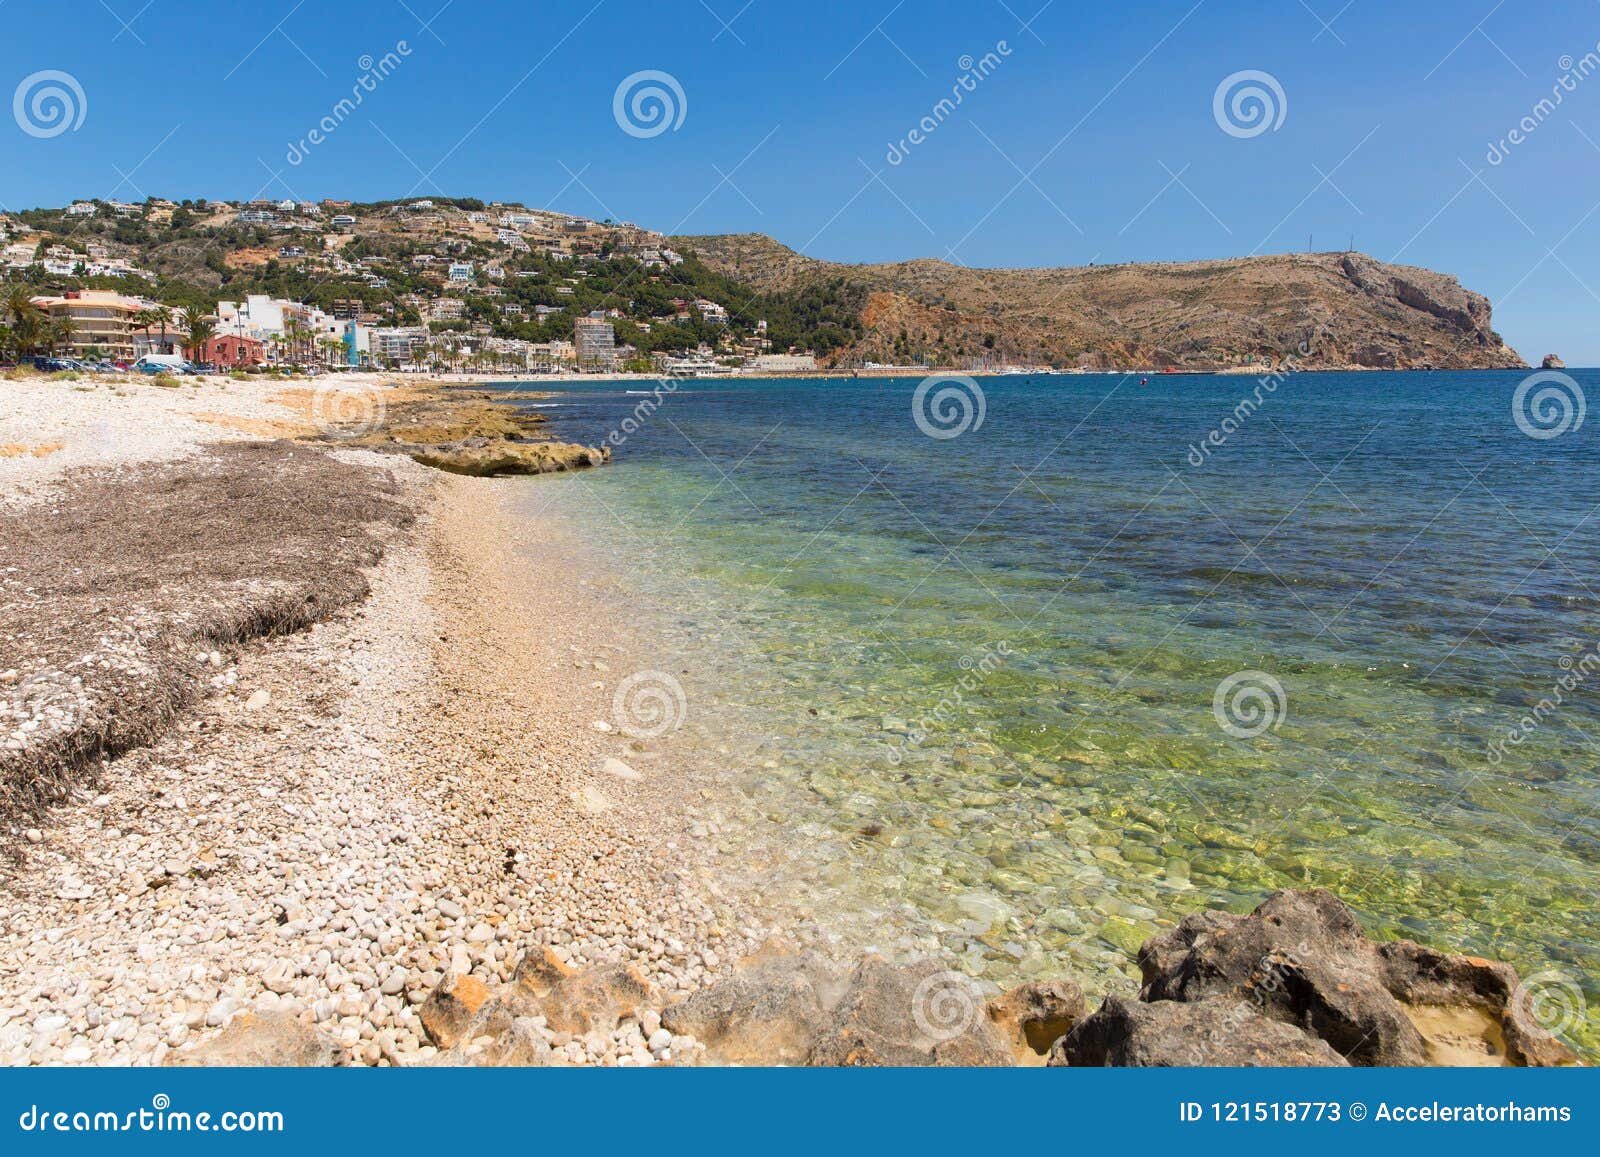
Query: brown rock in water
{"type": "Point", "coordinates": [1034, 1016]}
{"type": "Point", "coordinates": [596, 1000]}
{"type": "Point", "coordinates": [451, 1007]}
{"type": "Point", "coordinates": [495, 458]}
{"type": "Point", "coordinates": [917, 1014]}
{"type": "Point", "coordinates": [1302, 958]}
{"type": "Point", "coordinates": [256, 1039]}
{"type": "Point", "coordinates": [768, 1012]}
{"type": "Point", "coordinates": [1170, 1034]}
{"type": "Point", "coordinates": [1552, 362]}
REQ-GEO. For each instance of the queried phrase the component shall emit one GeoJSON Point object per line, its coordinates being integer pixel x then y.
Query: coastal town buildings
{"type": "Point", "coordinates": [101, 321]}
{"type": "Point", "coordinates": [595, 339]}
{"type": "Point", "coordinates": [231, 352]}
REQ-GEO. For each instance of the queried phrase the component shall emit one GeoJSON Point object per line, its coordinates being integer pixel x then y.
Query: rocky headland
{"type": "Point", "coordinates": [1332, 311]}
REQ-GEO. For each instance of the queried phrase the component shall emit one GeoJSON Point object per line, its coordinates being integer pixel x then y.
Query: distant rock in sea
{"type": "Point", "coordinates": [1552, 362]}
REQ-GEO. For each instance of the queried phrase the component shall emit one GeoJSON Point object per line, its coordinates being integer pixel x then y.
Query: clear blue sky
{"type": "Point", "coordinates": [1092, 138]}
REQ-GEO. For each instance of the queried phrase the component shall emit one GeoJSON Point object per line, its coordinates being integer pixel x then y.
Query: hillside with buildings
{"type": "Point", "coordinates": [461, 284]}
{"type": "Point", "coordinates": [429, 283]}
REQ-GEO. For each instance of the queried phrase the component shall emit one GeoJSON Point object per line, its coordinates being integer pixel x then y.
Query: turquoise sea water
{"type": "Point", "coordinates": [966, 688]}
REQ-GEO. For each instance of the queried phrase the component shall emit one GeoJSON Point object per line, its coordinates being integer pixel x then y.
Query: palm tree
{"type": "Point", "coordinates": [57, 333]}
{"type": "Point", "coordinates": [161, 315]}
{"type": "Point", "coordinates": [201, 329]}
{"type": "Point", "coordinates": [295, 330]}
{"type": "Point", "coordinates": [27, 319]}
{"type": "Point", "coordinates": [143, 319]}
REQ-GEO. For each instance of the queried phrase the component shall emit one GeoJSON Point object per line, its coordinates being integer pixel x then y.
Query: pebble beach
{"type": "Point", "coordinates": [426, 783]}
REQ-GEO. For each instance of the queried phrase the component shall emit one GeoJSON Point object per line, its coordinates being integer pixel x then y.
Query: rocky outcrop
{"type": "Point", "coordinates": [768, 1012]}
{"type": "Point", "coordinates": [1034, 1016]}
{"type": "Point", "coordinates": [1296, 982]}
{"type": "Point", "coordinates": [1167, 1034]}
{"type": "Point", "coordinates": [1323, 310]}
{"type": "Point", "coordinates": [259, 1039]}
{"type": "Point", "coordinates": [472, 432]}
{"type": "Point", "coordinates": [452, 1007]}
{"type": "Point", "coordinates": [918, 1014]}
{"type": "Point", "coordinates": [1301, 958]}
{"type": "Point", "coordinates": [483, 458]}
{"type": "Point", "coordinates": [1552, 362]}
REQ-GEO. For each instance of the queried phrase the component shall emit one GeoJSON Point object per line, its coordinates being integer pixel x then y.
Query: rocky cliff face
{"type": "Point", "coordinates": [1325, 310]}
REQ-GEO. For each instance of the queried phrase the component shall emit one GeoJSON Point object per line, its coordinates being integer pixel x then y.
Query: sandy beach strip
{"type": "Point", "coordinates": [412, 787]}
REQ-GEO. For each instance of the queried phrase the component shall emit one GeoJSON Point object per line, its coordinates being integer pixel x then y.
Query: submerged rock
{"type": "Point", "coordinates": [1302, 958]}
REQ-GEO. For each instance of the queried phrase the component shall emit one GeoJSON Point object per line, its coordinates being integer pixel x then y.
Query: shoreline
{"type": "Point", "coordinates": [405, 792]}
{"type": "Point", "coordinates": [363, 823]}
{"type": "Point", "coordinates": [412, 779]}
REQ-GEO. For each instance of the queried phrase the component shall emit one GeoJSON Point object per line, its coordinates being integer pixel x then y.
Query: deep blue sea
{"type": "Point", "coordinates": [1039, 688]}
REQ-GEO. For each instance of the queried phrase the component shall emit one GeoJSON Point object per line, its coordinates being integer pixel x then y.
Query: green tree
{"type": "Point", "coordinates": [27, 320]}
